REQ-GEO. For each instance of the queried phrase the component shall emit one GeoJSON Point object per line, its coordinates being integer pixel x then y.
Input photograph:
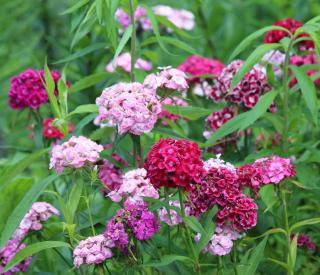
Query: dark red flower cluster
{"type": "Point", "coordinates": [248, 90]}
{"type": "Point", "coordinates": [275, 36]}
{"type": "Point", "coordinates": [173, 163]}
{"type": "Point", "coordinates": [308, 59]}
{"type": "Point", "coordinates": [304, 240]}
{"type": "Point", "coordinates": [27, 89]}
{"type": "Point", "coordinates": [198, 66]}
{"type": "Point", "coordinates": [217, 119]}
{"type": "Point", "coordinates": [220, 186]}
{"type": "Point", "coordinates": [51, 131]}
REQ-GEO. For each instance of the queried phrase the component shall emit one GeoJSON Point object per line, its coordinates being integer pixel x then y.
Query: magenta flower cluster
{"type": "Point", "coordinates": [93, 250]}
{"type": "Point", "coordinates": [173, 101]}
{"type": "Point", "coordinates": [27, 89]}
{"type": "Point", "coordinates": [123, 62]}
{"type": "Point", "coordinates": [247, 92]}
{"type": "Point", "coordinates": [134, 185]}
{"type": "Point", "coordinates": [130, 106]}
{"type": "Point", "coordinates": [74, 153]}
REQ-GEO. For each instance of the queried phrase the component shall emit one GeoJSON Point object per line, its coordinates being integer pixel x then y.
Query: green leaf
{"type": "Point", "coordinates": [88, 81]}
{"type": "Point", "coordinates": [31, 250]}
{"type": "Point", "coordinates": [86, 120]}
{"type": "Point", "coordinates": [168, 259]}
{"type": "Point", "coordinates": [252, 60]}
{"type": "Point", "coordinates": [15, 170]}
{"type": "Point", "coordinates": [23, 207]}
{"type": "Point", "coordinates": [81, 53]}
{"type": "Point", "coordinates": [86, 108]}
{"type": "Point", "coordinates": [63, 96]}
{"type": "Point", "coordinates": [175, 127]}
{"type": "Point", "coordinates": [249, 39]}
{"type": "Point", "coordinates": [164, 21]}
{"type": "Point", "coordinates": [99, 10]}
{"type": "Point", "coordinates": [308, 91]}
{"type": "Point", "coordinates": [268, 196]}
{"type": "Point", "coordinates": [124, 39]}
{"type": "Point", "coordinates": [74, 197]}
{"type": "Point", "coordinates": [293, 250]}
{"type": "Point", "coordinates": [244, 120]}
{"type": "Point", "coordinates": [305, 222]}
{"type": "Point", "coordinates": [189, 112]}
{"type": "Point", "coordinates": [75, 7]}
{"type": "Point", "coordinates": [267, 233]}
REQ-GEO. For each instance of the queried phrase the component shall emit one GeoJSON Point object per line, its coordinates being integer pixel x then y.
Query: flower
{"type": "Point", "coordinates": [174, 101]}
{"type": "Point", "coordinates": [304, 240]}
{"type": "Point", "coordinates": [197, 66]}
{"type": "Point", "coordinates": [275, 36]}
{"type": "Point", "coordinates": [174, 163]}
{"type": "Point", "coordinates": [7, 253]}
{"type": "Point", "coordinates": [276, 59]}
{"type": "Point", "coordinates": [136, 185]}
{"type": "Point", "coordinates": [168, 79]}
{"type": "Point", "coordinates": [74, 153]}
{"type": "Point", "coordinates": [174, 218]}
{"type": "Point", "coordinates": [93, 250]}
{"type": "Point", "coordinates": [38, 213]}
{"type": "Point", "coordinates": [140, 17]}
{"type": "Point", "coordinates": [27, 89]}
{"type": "Point", "coordinates": [124, 62]}
{"type": "Point", "coordinates": [247, 92]}
{"type": "Point", "coordinates": [130, 106]}
{"type": "Point", "coordinates": [50, 131]}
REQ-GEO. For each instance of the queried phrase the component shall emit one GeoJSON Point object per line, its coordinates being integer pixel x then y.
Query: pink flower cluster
{"type": "Point", "coordinates": [93, 250]}
{"type": "Point", "coordinates": [74, 153]}
{"type": "Point", "coordinates": [39, 212]}
{"type": "Point", "coordinates": [167, 79]}
{"type": "Point", "coordinates": [220, 186]}
{"type": "Point", "coordinates": [221, 241]}
{"type": "Point", "coordinates": [247, 92]}
{"type": "Point", "coordinates": [134, 217]}
{"type": "Point", "coordinates": [123, 61]}
{"type": "Point", "coordinates": [27, 89]}
{"type": "Point", "coordinates": [174, 101]}
{"type": "Point", "coordinates": [6, 255]}
{"type": "Point", "coordinates": [276, 59]}
{"type": "Point", "coordinates": [130, 106]}
{"type": "Point", "coordinates": [140, 17]}
{"type": "Point", "coordinates": [174, 218]}
{"type": "Point", "coordinates": [304, 240]}
{"type": "Point", "coordinates": [135, 185]}
{"type": "Point", "coordinates": [197, 66]}
{"type": "Point", "coordinates": [174, 163]}
{"type": "Point", "coordinates": [298, 60]}
{"type": "Point", "coordinates": [263, 171]}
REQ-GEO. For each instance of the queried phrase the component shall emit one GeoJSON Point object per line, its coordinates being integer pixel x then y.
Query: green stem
{"type": "Point", "coordinates": [220, 266]}
{"type": "Point", "coordinates": [133, 41]}
{"type": "Point", "coordinates": [188, 235]}
{"type": "Point", "coordinates": [137, 152]}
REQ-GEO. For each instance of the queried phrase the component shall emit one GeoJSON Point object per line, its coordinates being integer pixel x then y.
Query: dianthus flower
{"type": "Point", "coordinates": [140, 17]}
{"type": "Point", "coordinates": [93, 250]}
{"type": "Point", "coordinates": [74, 153]}
{"type": "Point", "coordinates": [275, 36]}
{"type": "Point", "coordinates": [51, 131]}
{"type": "Point", "coordinates": [123, 61]}
{"type": "Point", "coordinates": [276, 59]}
{"type": "Point", "coordinates": [7, 253]}
{"type": "Point", "coordinates": [308, 59]}
{"type": "Point", "coordinates": [130, 106]}
{"type": "Point", "coordinates": [174, 218]}
{"type": "Point", "coordinates": [136, 185]}
{"type": "Point", "coordinates": [197, 66]}
{"type": "Point", "coordinates": [39, 212]}
{"type": "Point", "coordinates": [247, 92]}
{"type": "Point", "coordinates": [221, 242]}
{"type": "Point", "coordinates": [167, 79]}
{"type": "Point", "coordinates": [27, 89]}
{"type": "Point", "coordinates": [174, 101]}
{"type": "Point", "coordinates": [174, 163]}
{"type": "Point", "coordinates": [304, 240]}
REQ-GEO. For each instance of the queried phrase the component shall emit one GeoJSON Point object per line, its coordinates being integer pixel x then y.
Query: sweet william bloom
{"type": "Point", "coordinates": [167, 79]}
{"type": "Point", "coordinates": [130, 106]}
{"type": "Point", "coordinates": [140, 17]}
{"type": "Point", "coordinates": [93, 250]}
{"type": "Point", "coordinates": [136, 185]}
{"type": "Point", "coordinates": [123, 61]}
{"type": "Point", "coordinates": [52, 132]}
{"type": "Point", "coordinates": [32, 221]}
{"type": "Point", "coordinates": [304, 240]}
{"type": "Point", "coordinates": [174, 218]}
{"type": "Point", "coordinates": [7, 253]}
{"type": "Point", "coordinates": [27, 89]}
{"type": "Point", "coordinates": [276, 59]}
{"type": "Point", "coordinates": [174, 163]}
{"type": "Point", "coordinates": [74, 153]}
{"type": "Point", "coordinates": [174, 101]}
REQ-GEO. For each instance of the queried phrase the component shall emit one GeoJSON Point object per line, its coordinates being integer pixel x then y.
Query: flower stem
{"type": "Point", "coordinates": [133, 41]}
